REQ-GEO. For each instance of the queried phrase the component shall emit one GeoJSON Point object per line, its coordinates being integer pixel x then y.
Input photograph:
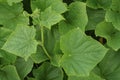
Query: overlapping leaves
{"type": "Point", "coordinates": [53, 44]}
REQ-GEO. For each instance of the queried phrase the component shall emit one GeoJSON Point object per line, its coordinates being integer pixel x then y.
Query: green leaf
{"type": "Point", "coordinates": [10, 2]}
{"type": "Point", "coordinates": [52, 44]}
{"type": "Point", "coordinates": [110, 66]}
{"type": "Point", "coordinates": [31, 79]}
{"type": "Point", "coordinates": [50, 17]}
{"type": "Point", "coordinates": [114, 17]}
{"type": "Point", "coordinates": [115, 5]}
{"type": "Point", "coordinates": [39, 56]}
{"type": "Point", "coordinates": [10, 16]}
{"type": "Point", "coordinates": [6, 58]}
{"type": "Point", "coordinates": [92, 76]}
{"type": "Point", "coordinates": [105, 4]}
{"type": "Point", "coordinates": [81, 53]}
{"type": "Point", "coordinates": [57, 54]}
{"type": "Point", "coordinates": [77, 15]}
{"type": "Point", "coordinates": [9, 73]}
{"type": "Point", "coordinates": [48, 73]}
{"type": "Point", "coordinates": [56, 5]}
{"type": "Point", "coordinates": [106, 30]}
{"type": "Point", "coordinates": [81, 0]}
{"type": "Point", "coordinates": [65, 27]}
{"type": "Point", "coordinates": [21, 42]}
{"type": "Point", "coordinates": [23, 67]}
{"type": "Point", "coordinates": [94, 17]}
{"type": "Point", "coordinates": [4, 33]}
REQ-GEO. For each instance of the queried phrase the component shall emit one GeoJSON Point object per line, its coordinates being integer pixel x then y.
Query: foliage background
{"type": "Point", "coordinates": [59, 40]}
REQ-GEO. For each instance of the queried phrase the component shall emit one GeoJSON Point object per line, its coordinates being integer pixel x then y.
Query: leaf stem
{"type": "Point", "coordinates": [42, 42]}
{"type": "Point", "coordinates": [46, 52]}
{"type": "Point", "coordinates": [42, 34]}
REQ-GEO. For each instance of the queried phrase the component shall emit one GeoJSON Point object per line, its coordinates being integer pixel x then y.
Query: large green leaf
{"type": "Point", "coordinates": [105, 4]}
{"type": "Point", "coordinates": [81, 53]}
{"type": "Point", "coordinates": [77, 15]}
{"type": "Point", "coordinates": [9, 73]}
{"type": "Point", "coordinates": [21, 42]}
{"type": "Point", "coordinates": [110, 66]}
{"type": "Point", "coordinates": [106, 30]}
{"type": "Point", "coordinates": [50, 17]}
{"type": "Point", "coordinates": [56, 5]}
{"type": "Point", "coordinates": [10, 16]}
{"type": "Point", "coordinates": [92, 76]}
{"type": "Point", "coordinates": [23, 67]}
{"type": "Point", "coordinates": [48, 72]}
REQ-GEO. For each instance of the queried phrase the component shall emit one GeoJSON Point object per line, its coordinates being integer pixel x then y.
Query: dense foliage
{"type": "Point", "coordinates": [59, 39]}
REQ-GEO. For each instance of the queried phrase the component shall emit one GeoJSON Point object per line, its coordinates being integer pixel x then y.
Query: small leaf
{"type": "Point", "coordinates": [56, 5]}
{"type": "Point", "coordinates": [50, 17]}
{"type": "Point", "coordinates": [81, 53]}
{"type": "Point", "coordinates": [21, 42]}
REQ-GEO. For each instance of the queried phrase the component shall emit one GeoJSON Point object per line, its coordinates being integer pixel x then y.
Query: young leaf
{"type": "Point", "coordinates": [56, 5]}
{"type": "Point", "coordinates": [21, 42]}
{"type": "Point", "coordinates": [81, 53]}
{"type": "Point", "coordinates": [50, 17]}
